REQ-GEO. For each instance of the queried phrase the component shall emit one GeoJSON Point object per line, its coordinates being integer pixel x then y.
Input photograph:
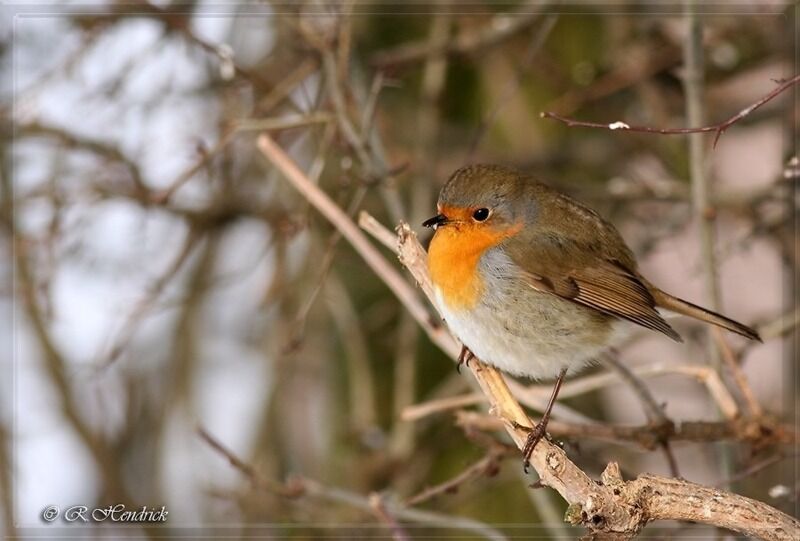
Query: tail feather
{"type": "Point", "coordinates": [680, 306]}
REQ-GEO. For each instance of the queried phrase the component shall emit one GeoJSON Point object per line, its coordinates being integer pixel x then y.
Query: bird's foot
{"type": "Point", "coordinates": [535, 435]}
{"type": "Point", "coordinates": [464, 358]}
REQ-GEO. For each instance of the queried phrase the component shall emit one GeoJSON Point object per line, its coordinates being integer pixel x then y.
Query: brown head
{"type": "Point", "coordinates": [485, 198]}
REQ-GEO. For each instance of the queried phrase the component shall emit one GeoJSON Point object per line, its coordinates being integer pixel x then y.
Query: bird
{"type": "Point", "coordinates": [537, 284]}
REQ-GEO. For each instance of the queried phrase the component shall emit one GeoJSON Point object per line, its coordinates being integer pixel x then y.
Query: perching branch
{"type": "Point", "coordinates": [719, 128]}
{"type": "Point", "coordinates": [649, 435]}
{"type": "Point", "coordinates": [611, 506]}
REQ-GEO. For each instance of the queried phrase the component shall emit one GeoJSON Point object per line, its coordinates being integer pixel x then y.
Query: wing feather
{"type": "Point", "coordinates": [608, 288]}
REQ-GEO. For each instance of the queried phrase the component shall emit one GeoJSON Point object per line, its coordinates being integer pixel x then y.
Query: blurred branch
{"type": "Point", "coordinates": [298, 487]}
{"type": "Point", "coordinates": [703, 213]}
{"type": "Point", "coordinates": [378, 506]}
{"type": "Point", "coordinates": [99, 148]}
{"type": "Point", "coordinates": [653, 411]}
{"type": "Point", "coordinates": [359, 241]}
{"type": "Point", "coordinates": [530, 395]}
{"type": "Point", "coordinates": [614, 506]}
{"type": "Point", "coordinates": [427, 518]}
{"type": "Point", "coordinates": [325, 265]}
{"type": "Point", "coordinates": [759, 433]}
{"type": "Point", "coordinates": [730, 362]}
{"type": "Point", "coordinates": [488, 465]}
{"type": "Point", "coordinates": [225, 139]}
{"type": "Point", "coordinates": [283, 122]}
{"type": "Point", "coordinates": [780, 326]}
{"type": "Point", "coordinates": [7, 501]}
{"type": "Point", "coordinates": [757, 467]}
{"type": "Point", "coordinates": [693, 83]}
{"type": "Point", "coordinates": [55, 365]}
{"type": "Point", "coordinates": [360, 379]}
{"type": "Point", "coordinates": [419, 411]}
{"type": "Point", "coordinates": [622, 76]}
{"type": "Point", "coordinates": [140, 310]}
{"type": "Point", "coordinates": [249, 471]}
{"type": "Point", "coordinates": [513, 86]}
{"type": "Point", "coordinates": [498, 29]}
{"type": "Point", "coordinates": [719, 128]}
{"type": "Point", "coordinates": [709, 377]}
{"type": "Point", "coordinates": [363, 140]}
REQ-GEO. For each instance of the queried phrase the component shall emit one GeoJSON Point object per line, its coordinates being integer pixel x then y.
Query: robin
{"type": "Point", "coordinates": [535, 283]}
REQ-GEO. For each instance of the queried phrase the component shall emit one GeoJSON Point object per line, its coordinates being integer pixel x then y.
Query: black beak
{"type": "Point", "coordinates": [436, 221]}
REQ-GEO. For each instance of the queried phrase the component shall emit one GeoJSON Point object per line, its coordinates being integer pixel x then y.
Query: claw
{"type": "Point", "coordinates": [464, 358]}
{"type": "Point", "coordinates": [539, 431]}
{"type": "Point", "coordinates": [535, 435]}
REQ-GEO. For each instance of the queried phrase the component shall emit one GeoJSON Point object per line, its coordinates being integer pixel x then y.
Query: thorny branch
{"type": "Point", "coordinates": [612, 505]}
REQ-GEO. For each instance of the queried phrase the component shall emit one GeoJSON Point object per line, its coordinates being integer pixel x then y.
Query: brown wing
{"type": "Point", "coordinates": [609, 288]}
{"type": "Point", "coordinates": [569, 263]}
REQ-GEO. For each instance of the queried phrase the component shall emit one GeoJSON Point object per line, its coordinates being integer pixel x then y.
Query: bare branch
{"type": "Point", "coordinates": [759, 433]}
{"type": "Point", "coordinates": [485, 466]}
{"type": "Point", "coordinates": [729, 358]}
{"type": "Point", "coordinates": [709, 377]}
{"type": "Point", "coordinates": [298, 486]}
{"type": "Point", "coordinates": [719, 128]}
{"type": "Point", "coordinates": [385, 516]}
{"type": "Point", "coordinates": [498, 29]}
{"type": "Point", "coordinates": [359, 241]}
{"type": "Point", "coordinates": [654, 412]}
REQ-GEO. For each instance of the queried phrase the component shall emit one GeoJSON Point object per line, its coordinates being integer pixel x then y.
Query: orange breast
{"type": "Point", "coordinates": [453, 261]}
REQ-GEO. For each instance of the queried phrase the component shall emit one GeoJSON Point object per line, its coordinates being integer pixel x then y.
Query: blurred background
{"type": "Point", "coordinates": [169, 302]}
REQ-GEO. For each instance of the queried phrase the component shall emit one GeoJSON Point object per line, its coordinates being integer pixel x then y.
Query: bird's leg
{"type": "Point", "coordinates": [540, 430]}
{"type": "Point", "coordinates": [464, 358]}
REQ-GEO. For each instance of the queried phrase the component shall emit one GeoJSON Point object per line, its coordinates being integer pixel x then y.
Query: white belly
{"type": "Point", "coordinates": [533, 335]}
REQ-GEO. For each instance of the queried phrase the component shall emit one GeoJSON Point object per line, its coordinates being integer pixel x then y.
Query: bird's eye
{"type": "Point", "coordinates": [481, 214]}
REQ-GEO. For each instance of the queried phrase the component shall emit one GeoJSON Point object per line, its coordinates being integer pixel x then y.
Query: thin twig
{"type": "Point", "coordinates": [729, 360]}
{"type": "Point", "coordinates": [146, 304]}
{"type": "Point", "coordinates": [500, 28]}
{"type": "Point", "coordinates": [709, 377]}
{"type": "Point", "coordinates": [358, 240]}
{"type": "Point", "coordinates": [485, 466]}
{"type": "Point", "coordinates": [225, 139]}
{"type": "Point", "coordinates": [284, 122]}
{"type": "Point", "coordinates": [384, 515]}
{"type": "Point", "coordinates": [719, 128]}
{"type": "Point", "coordinates": [432, 407]}
{"type": "Point", "coordinates": [325, 265]}
{"type": "Point", "coordinates": [513, 86]}
{"type": "Point", "coordinates": [757, 467]}
{"type": "Point", "coordinates": [249, 471]}
{"type": "Point", "coordinates": [782, 325]}
{"type": "Point", "coordinates": [360, 377]}
{"type": "Point", "coordinates": [298, 486]}
{"type": "Point", "coordinates": [427, 518]}
{"type": "Point", "coordinates": [653, 411]}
